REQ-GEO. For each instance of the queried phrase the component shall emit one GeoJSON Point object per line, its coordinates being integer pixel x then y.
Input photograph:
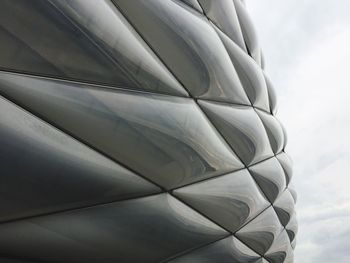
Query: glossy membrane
{"type": "Point", "coordinates": [230, 200]}
{"type": "Point", "coordinates": [158, 226]}
{"type": "Point", "coordinates": [229, 250]}
{"type": "Point", "coordinates": [223, 15]}
{"type": "Point", "coordinates": [242, 128]}
{"type": "Point", "coordinates": [270, 177]}
{"type": "Point", "coordinates": [51, 171]}
{"type": "Point", "coordinates": [139, 131]}
{"type": "Point", "coordinates": [274, 131]}
{"type": "Point", "coordinates": [167, 139]}
{"type": "Point", "coordinates": [184, 49]}
{"type": "Point", "coordinates": [260, 233]}
{"type": "Point", "coordinates": [249, 73]}
{"type": "Point", "coordinates": [284, 207]}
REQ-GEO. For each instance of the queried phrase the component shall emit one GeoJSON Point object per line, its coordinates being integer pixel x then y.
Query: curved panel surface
{"type": "Point", "coordinates": [139, 131]}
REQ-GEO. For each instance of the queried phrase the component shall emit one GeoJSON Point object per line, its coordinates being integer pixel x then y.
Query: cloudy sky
{"type": "Point", "coordinates": [307, 51]}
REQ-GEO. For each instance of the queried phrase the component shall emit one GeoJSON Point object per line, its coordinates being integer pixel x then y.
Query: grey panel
{"type": "Point", "coordinates": [294, 243]}
{"type": "Point", "coordinates": [274, 131]}
{"type": "Point", "coordinates": [229, 250]}
{"type": "Point", "coordinates": [74, 42]}
{"type": "Point", "coordinates": [281, 250]}
{"type": "Point", "coordinates": [249, 73]}
{"type": "Point", "coordinates": [284, 206]}
{"type": "Point", "coordinates": [121, 101]}
{"type": "Point", "coordinates": [270, 177]}
{"type": "Point", "coordinates": [187, 50]}
{"type": "Point", "coordinates": [223, 15]}
{"type": "Point", "coordinates": [260, 233]}
{"type": "Point", "coordinates": [44, 170]}
{"type": "Point", "coordinates": [293, 192]}
{"type": "Point", "coordinates": [272, 95]}
{"type": "Point", "coordinates": [158, 226]}
{"type": "Point", "coordinates": [292, 227]}
{"type": "Point", "coordinates": [287, 164]}
{"type": "Point", "coordinates": [166, 139]}
{"type": "Point", "coordinates": [248, 31]}
{"type": "Point", "coordinates": [193, 3]}
{"type": "Point", "coordinates": [120, 41]}
{"type": "Point", "coordinates": [230, 200]}
{"type": "Point", "coordinates": [242, 128]}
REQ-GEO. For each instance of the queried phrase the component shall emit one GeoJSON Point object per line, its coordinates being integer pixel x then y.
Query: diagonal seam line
{"type": "Point", "coordinates": [110, 88]}
{"type": "Point", "coordinates": [96, 84]}
{"type": "Point", "coordinates": [30, 48]}
{"type": "Point", "coordinates": [189, 251]}
{"type": "Point", "coordinates": [69, 134]}
{"type": "Point", "coordinates": [207, 118]}
{"type": "Point", "coordinates": [188, 5]}
{"type": "Point", "coordinates": [95, 44]}
{"type": "Point", "coordinates": [174, 76]}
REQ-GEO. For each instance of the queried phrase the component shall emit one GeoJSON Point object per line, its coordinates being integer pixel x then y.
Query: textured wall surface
{"type": "Point", "coordinates": [139, 131]}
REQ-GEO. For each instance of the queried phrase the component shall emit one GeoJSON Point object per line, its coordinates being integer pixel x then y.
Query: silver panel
{"type": "Point", "coordinates": [139, 131]}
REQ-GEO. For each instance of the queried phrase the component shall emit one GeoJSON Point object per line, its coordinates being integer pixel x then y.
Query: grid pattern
{"type": "Point", "coordinates": [139, 131]}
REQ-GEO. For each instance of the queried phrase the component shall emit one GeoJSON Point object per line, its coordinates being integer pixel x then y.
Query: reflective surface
{"type": "Point", "coordinates": [270, 177]}
{"type": "Point", "coordinates": [39, 163]}
{"type": "Point", "coordinates": [242, 129]}
{"type": "Point", "coordinates": [223, 15]}
{"type": "Point", "coordinates": [166, 139]}
{"type": "Point", "coordinates": [292, 227]}
{"type": "Point", "coordinates": [250, 74]}
{"type": "Point", "coordinates": [79, 40]}
{"type": "Point", "coordinates": [280, 251]}
{"type": "Point", "coordinates": [274, 131]}
{"type": "Point", "coordinates": [248, 31]}
{"type": "Point", "coordinates": [139, 131]}
{"type": "Point", "coordinates": [287, 164]}
{"type": "Point", "coordinates": [284, 207]}
{"type": "Point", "coordinates": [261, 232]}
{"type": "Point", "coordinates": [230, 200]}
{"type": "Point", "coordinates": [229, 250]}
{"type": "Point", "coordinates": [184, 49]}
{"type": "Point", "coordinates": [158, 226]}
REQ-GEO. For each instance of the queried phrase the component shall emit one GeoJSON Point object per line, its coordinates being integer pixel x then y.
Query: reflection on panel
{"type": "Point", "coordinates": [166, 139]}
{"type": "Point", "coordinates": [230, 200]}
{"type": "Point", "coordinates": [75, 42]}
{"type": "Point", "coordinates": [293, 192]}
{"type": "Point", "coordinates": [260, 233]}
{"type": "Point", "coordinates": [270, 177]}
{"type": "Point", "coordinates": [242, 128]}
{"type": "Point", "coordinates": [157, 226]}
{"type": "Point", "coordinates": [249, 73]}
{"type": "Point", "coordinates": [248, 31]}
{"type": "Point", "coordinates": [284, 207]}
{"type": "Point", "coordinates": [292, 227]}
{"type": "Point", "coordinates": [272, 95]}
{"type": "Point", "coordinates": [44, 170]}
{"type": "Point", "coordinates": [188, 51]}
{"type": "Point", "coordinates": [287, 164]}
{"type": "Point", "coordinates": [274, 131]}
{"type": "Point", "coordinates": [229, 250]}
{"type": "Point", "coordinates": [223, 15]}
{"type": "Point", "coordinates": [104, 24]}
{"type": "Point", "coordinates": [194, 4]}
{"type": "Point", "coordinates": [281, 250]}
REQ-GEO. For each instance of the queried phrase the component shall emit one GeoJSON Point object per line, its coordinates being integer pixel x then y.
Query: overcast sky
{"type": "Point", "coordinates": [307, 51]}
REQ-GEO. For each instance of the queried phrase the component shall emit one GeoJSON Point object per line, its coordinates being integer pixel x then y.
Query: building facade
{"type": "Point", "coordinates": [139, 131]}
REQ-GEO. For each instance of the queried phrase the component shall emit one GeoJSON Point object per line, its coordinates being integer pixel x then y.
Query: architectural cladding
{"type": "Point", "coordinates": [139, 131]}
